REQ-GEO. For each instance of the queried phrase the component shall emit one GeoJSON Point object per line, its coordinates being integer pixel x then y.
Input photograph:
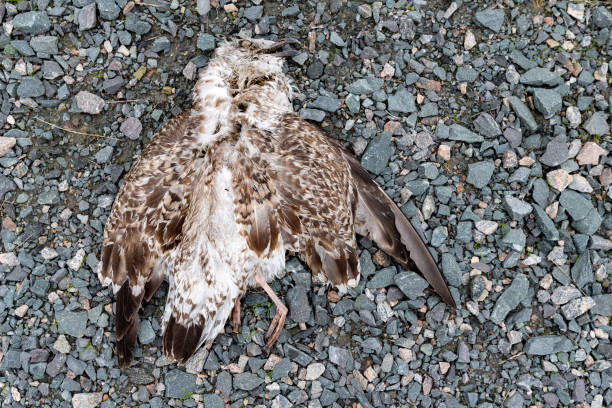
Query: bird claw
{"type": "Point", "coordinates": [277, 324]}
{"type": "Point", "coordinates": [236, 315]}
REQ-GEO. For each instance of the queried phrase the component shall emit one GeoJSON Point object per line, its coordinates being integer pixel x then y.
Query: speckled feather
{"type": "Point", "coordinates": [269, 183]}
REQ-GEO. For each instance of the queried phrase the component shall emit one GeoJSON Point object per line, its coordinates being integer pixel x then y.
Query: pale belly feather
{"type": "Point", "coordinates": [230, 246]}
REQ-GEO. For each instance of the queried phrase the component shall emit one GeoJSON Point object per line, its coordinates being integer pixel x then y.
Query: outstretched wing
{"type": "Point", "coordinates": [314, 197]}
{"type": "Point", "coordinates": [145, 223]}
{"type": "Point", "coordinates": [379, 219]}
{"type": "Point", "coordinates": [329, 196]}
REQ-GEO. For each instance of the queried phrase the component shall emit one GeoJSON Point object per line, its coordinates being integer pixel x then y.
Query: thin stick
{"type": "Point", "coordinates": [142, 3]}
{"type": "Point", "coordinates": [71, 130]}
{"type": "Point", "coordinates": [20, 244]}
{"type": "Point", "coordinates": [125, 101]}
{"type": "Point", "coordinates": [513, 357]}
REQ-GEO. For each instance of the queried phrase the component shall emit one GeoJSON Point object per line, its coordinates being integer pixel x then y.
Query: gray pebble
{"type": "Point", "coordinates": [523, 112]}
{"type": "Point", "coordinates": [247, 381]}
{"type": "Point", "coordinates": [411, 284]}
{"type": "Point", "coordinates": [510, 298]}
{"type": "Point", "coordinates": [597, 124]}
{"type": "Point", "coordinates": [377, 154]}
{"type": "Point", "coordinates": [546, 101]}
{"type": "Point", "coordinates": [72, 323]}
{"type": "Point", "coordinates": [32, 22]}
{"type": "Point", "coordinates": [491, 19]}
{"type": "Point", "coordinates": [549, 344]}
{"type": "Point", "coordinates": [179, 384]}
{"type": "Point", "coordinates": [480, 173]}
{"type": "Point", "coordinates": [108, 9]}
{"type": "Point", "coordinates": [486, 125]}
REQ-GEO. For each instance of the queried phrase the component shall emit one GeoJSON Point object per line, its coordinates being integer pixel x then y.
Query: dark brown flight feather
{"type": "Point", "coordinates": [379, 219]}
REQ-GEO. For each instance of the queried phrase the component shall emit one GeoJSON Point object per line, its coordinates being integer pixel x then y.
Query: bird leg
{"type": "Point", "coordinates": [236, 314]}
{"type": "Point", "coordinates": [281, 310]}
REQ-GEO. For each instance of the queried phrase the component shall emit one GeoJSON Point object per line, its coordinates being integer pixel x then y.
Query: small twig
{"type": "Point", "coordinates": [125, 101]}
{"type": "Point", "coordinates": [72, 130]}
{"type": "Point", "coordinates": [513, 357]}
{"type": "Point", "coordinates": [20, 244]}
{"type": "Point", "coordinates": [142, 3]}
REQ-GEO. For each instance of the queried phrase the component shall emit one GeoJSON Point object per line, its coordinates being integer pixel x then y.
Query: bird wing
{"type": "Point", "coordinates": [314, 197]}
{"type": "Point", "coordinates": [145, 223]}
{"type": "Point", "coordinates": [379, 219]}
{"type": "Point", "coordinates": [334, 197]}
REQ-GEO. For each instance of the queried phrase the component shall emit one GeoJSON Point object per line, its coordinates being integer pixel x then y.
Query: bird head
{"type": "Point", "coordinates": [258, 48]}
{"type": "Point", "coordinates": [254, 57]}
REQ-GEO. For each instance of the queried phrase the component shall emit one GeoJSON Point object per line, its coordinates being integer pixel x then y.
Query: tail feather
{"type": "Point", "coordinates": [127, 309]}
{"type": "Point", "coordinates": [378, 218]}
{"type": "Point", "coordinates": [194, 316]}
{"type": "Point", "coordinates": [127, 322]}
{"type": "Point", "coordinates": [126, 344]}
{"type": "Point", "coordinates": [180, 341]}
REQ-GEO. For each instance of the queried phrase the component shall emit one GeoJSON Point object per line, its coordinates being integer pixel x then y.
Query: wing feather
{"type": "Point", "coordinates": [379, 219]}
{"type": "Point", "coordinates": [145, 223]}
{"type": "Point", "coordinates": [314, 192]}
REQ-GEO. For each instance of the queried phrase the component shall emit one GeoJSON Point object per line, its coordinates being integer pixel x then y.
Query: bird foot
{"type": "Point", "coordinates": [278, 322]}
{"type": "Point", "coordinates": [236, 315]}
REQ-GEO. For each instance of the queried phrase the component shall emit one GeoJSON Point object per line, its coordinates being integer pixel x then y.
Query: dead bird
{"type": "Point", "coordinates": [225, 190]}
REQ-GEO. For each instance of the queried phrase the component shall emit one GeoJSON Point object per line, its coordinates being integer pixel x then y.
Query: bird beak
{"type": "Point", "coordinates": [281, 48]}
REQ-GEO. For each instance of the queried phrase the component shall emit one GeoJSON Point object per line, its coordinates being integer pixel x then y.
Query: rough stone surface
{"type": "Point", "coordinates": [491, 19]}
{"type": "Point", "coordinates": [32, 22]}
{"type": "Point", "coordinates": [550, 344]}
{"type": "Point", "coordinates": [597, 124]}
{"type": "Point", "coordinates": [546, 101]}
{"type": "Point", "coordinates": [179, 384]}
{"type": "Point", "coordinates": [131, 128]}
{"type": "Point", "coordinates": [523, 112]}
{"type": "Point", "coordinates": [377, 153]}
{"type": "Point", "coordinates": [86, 400]}
{"type": "Point", "coordinates": [510, 298]}
{"type": "Point", "coordinates": [89, 103]}
{"type": "Point", "coordinates": [401, 101]}
{"type": "Point", "coordinates": [411, 284]}
{"type": "Point", "coordinates": [480, 173]}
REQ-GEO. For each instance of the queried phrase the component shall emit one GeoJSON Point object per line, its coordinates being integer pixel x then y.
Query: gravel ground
{"type": "Point", "coordinates": [488, 123]}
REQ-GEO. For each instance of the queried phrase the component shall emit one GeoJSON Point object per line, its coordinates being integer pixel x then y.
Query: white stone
{"type": "Point", "coordinates": [574, 116]}
{"type": "Point", "coordinates": [559, 179]}
{"type": "Point", "coordinates": [314, 371]}
{"type": "Point", "coordinates": [9, 258]}
{"type": "Point", "coordinates": [576, 11]}
{"type": "Point", "coordinates": [61, 344]}
{"type": "Point", "coordinates": [6, 144]}
{"type": "Point", "coordinates": [601, 74]}
{"type": "Point", "coordinates": [428, 208]}
{"type": "Point", "coordinates": [469, 41]}
{"type": "Point", "coordinates": [21, 310]}
{"type": "Point", "coordinates": [86, 400]}
{"type": "Point", "coordinates": [76, 261]}
{"type": "Point", "coordinates": [581, 184]}
{"type": "Point", "coordinates": [532, 259]}
{"type": "Point", "coordinates": [487, 227]}
{"type": "Point", "coordinates": [590, 153]}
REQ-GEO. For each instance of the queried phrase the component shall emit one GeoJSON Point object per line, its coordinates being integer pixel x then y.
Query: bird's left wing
{"type": "Point", "coordinates": [145, 223]}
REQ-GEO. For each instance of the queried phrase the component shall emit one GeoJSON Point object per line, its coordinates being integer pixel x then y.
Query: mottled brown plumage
{"type": "Point", "coordinates": [225, 190]}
